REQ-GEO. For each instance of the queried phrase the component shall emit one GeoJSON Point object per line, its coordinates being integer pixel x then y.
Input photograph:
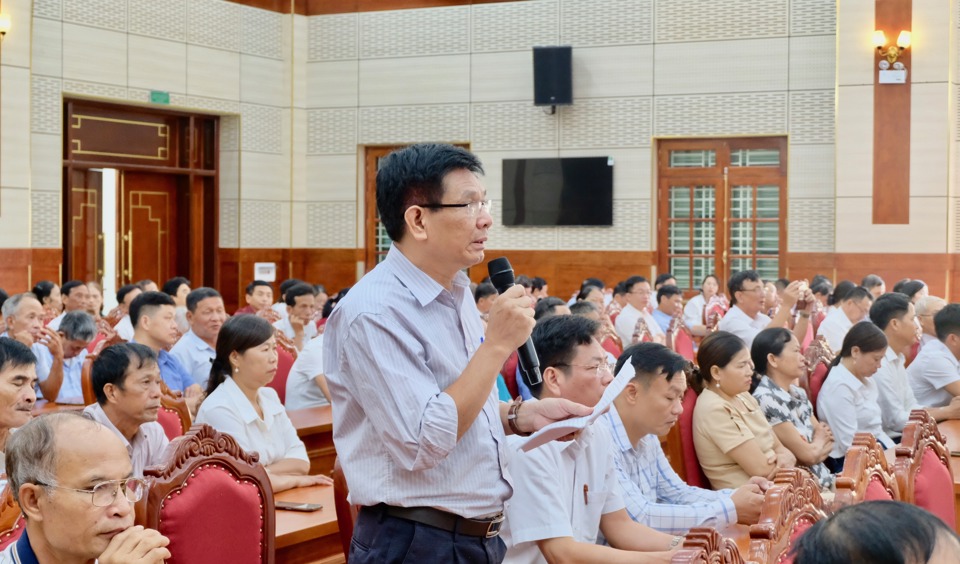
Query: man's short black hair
{"type": "Point", "coordinates": [620, 289]}
{"type": "Point", "coordinates": [414, 176]}
{"type": "Point", "coordinates": [840, 292]}
{"type": "Point", "coordinates": [947, 321]}
{"type": "Point", "coordinates": [537, 283]}
{"type": "Point", "coordinates": [198, 295]}
{"type": "Point", "coordinates": [781, 284]}
{"type": "Point", "coordinates": [483, 290]}
{"type": "Point", "coordinates": [857, 293]}
{"type": "Point", "coordinates": [14, 354]}
{"type": "Point", "coordinates": [546, 307]}
{"type": "Point", "coordinates": [583, 307]}
{"type": "Point", "coordinates": [171, 286]}
{"type": "Point", "coordinates": [592, 282]}
{"type": "Point", "coordinates": [650, 361]}
{"type": "Point", "coordinates": [251, 287]}
{"type": "Point", "coordinates": [629, 283]}
{"type": "Point", "coordinates": [124, 290]}
{"type": "Point", "coordinates": [523, 280]}
{"type": "Point", "coordinates": [144, 283]}
{"type": "Point", "coordinates": [871, 281]}
{"type": "Point", "coordinates": [668, 291]}
{"type": "Point", "coordinates": [295, 291]}
{"type": "Point", "coordinates": [888, 307]}
{"type": "Point", "coordinates": [735, 284]}
{"type": "Point", "coordinates": [556, 340]}
{"type": "Point", "coordinates": [147, 304]}
{"type": "Point", "coordinates": [69, 286]}
{"type": "Point", "coordinates": [663, 277]}
{"type": "Point", "coordinates": [289, 283]}
{"type": "Point", "coordinates": [112, 364]}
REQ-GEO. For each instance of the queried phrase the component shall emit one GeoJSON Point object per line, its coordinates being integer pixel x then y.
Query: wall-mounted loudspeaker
{"type": "Point", "coordinates": [552, 76]}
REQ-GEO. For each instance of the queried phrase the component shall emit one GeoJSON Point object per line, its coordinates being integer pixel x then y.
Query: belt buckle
{"type": "Point", "coordinates": [494, 528]}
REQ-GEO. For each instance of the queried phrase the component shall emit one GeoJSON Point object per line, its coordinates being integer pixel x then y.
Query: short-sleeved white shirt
{"type": "Point", "coordinates": [302, 388]}
{"type": "Point", "coordinates": [933, 370]}
{"type": "Point", "coordinates": [850, 406]}
{"type": "Point", "coordinates": [627, 323]}
{"type": "Point", "coordinates": [560, 489]}
{"type": "Point", "coordinates": [736, 321]}
{"type": "Point", "coordinates": [229, 411]}
{"type": "Point", "coordinates": [834, 328]}
{"type": "Point", "coordinates": [693, 311]}
{"type": "Point", "coordinates": [309, 329]}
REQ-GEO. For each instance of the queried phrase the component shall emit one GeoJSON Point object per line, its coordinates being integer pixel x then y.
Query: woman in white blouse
{"type": "Point", "coordinates": [240, 403]}
{"type": "Point", "coordinates": [848, 400]}
{"type": "Point", "coordinates": [693, 311]}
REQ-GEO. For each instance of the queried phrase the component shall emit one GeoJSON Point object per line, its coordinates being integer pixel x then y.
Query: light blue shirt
{"type": "Point", "coordinates": [391, 347]}
{"type": "Point", "coordinates": [195, 355]}
{"type": "Point", "coordinates": [174, 375]}
{"type": "Point", "coordinates": [662, 319]}
{"type": "Point", "coordinates": [71, 390]}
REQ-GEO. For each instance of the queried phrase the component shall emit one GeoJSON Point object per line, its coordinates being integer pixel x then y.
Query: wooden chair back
{"type": "Point", "coordinates": [818, 357]}
{"type": "Point", "coordinates": [790, 507]}
{"type": "Point", "coordinates": [174, 415]}
{"type": "Point", "coordinates": [346, 513]}
{"type": "Point", "coordinates": [866, 476]}
{"type": "Point", "coordinates": [86, 379]}
{"type": "Point", "coordinates": [287, 355]}
{"type": "Point", "coordinates": [12, 523]}
{"type": "Point", "coordinates": [212, 500]}
{"type": "Point", "coordinates": [693, 472]}
{"type": "Point", "coordinates": [704, 545]}
{"type": "Point", "coordinates": [923, 468]}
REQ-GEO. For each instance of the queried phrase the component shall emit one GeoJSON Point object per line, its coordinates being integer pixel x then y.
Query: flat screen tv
{"type": "Point", "coordinates": [567, 191]}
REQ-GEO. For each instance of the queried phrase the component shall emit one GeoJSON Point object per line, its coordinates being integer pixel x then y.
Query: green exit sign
{"type": "Point", "coordinates": [159, 97]}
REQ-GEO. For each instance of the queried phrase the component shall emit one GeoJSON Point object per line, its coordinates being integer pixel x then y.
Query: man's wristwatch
{"type": "Point", "coordinates": [512, 417]}
{"type": "Point", "coordinates": [676, 542]}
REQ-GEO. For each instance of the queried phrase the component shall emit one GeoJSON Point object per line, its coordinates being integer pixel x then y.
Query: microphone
{"type": "Point", "coordinates": [501, 276]}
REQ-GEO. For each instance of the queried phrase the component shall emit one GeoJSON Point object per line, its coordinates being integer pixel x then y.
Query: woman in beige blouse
{"type": "Point", "coordinates": [732, 437]}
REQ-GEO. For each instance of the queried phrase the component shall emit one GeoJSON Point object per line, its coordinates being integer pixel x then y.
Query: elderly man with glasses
{"type": "Point", "coordinates": [73, 480]}
{"type": "Point", "coordinates": [746, 301]}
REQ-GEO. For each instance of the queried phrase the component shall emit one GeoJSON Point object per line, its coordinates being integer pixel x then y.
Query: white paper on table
{"type": "Point", "coordinates": [563, 428]}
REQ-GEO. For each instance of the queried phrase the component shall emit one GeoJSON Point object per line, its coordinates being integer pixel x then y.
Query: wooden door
{"type": "Point", "coordinates": [85, 232]}
{"type": "Point", "coordinates": [149, 227]}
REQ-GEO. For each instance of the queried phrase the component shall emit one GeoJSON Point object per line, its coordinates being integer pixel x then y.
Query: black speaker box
{"type": "Point", "coordinates": [552, 76]}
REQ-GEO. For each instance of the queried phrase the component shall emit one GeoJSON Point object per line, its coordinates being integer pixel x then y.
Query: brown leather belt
{"type": "Point", "coordinates": [444, 520]}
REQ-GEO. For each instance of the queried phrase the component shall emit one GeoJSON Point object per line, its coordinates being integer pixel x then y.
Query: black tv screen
{"type": "Point", "coordinates": [567, 191]}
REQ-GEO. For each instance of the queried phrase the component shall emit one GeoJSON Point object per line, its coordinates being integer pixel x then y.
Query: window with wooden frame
{"type": "Point", "coordinates": [722, 207]}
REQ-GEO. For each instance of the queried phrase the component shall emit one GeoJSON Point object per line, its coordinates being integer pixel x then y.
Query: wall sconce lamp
{"type": "Point", "coordinates": [4, 25]}
{"type": "Point", "coordinates": [889, 55]}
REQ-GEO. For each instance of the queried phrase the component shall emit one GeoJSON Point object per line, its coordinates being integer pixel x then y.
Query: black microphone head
{"type": "Point", "coordinates": [501, 274]}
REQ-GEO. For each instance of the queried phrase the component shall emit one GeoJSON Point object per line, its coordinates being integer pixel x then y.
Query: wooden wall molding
{"type": "Point", "coordinates": [326, 7]}
{"type": "Point", "coordinates": [22, 268]}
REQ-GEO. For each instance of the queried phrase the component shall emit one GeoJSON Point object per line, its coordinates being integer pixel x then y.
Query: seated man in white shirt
{"type": "Point", "coordinates": [852, 309]}
{"type": "Point", "coordinates": [196, 350]}
{"type": "Point", "coordinates": [654, 494]}
{"type": "Point", "coordinates": [638, 294]}
{"type": "Point", "coordinates": [566, 493]}
{"type": "Point", "coordinates": [875, 285]}
{"type": "Point", "coordinates": [927, 307]}
{"type": "Point", "coordinates": [894, 315]}
{"type": "Point", "coordinates": [281, 306]}
{"type": "Point", "coordinates": [306, 385]}
{"type": "Point", "coordinates": [125, 296]}
{"type": "Point", "coordinates": [126, 381]}
{"type": "Point", "coordinates": [75, 296]}
{"type": "Point", "coordinates": [669, 305]}
{"type": "Point", "coordinates": [77, 330]}
{"type": "Point", "coordinates": [746, 300]}
{"type": "Point", "coordinates": [935, 374]}
{"type": "Point", "coordinates": [298, 325]}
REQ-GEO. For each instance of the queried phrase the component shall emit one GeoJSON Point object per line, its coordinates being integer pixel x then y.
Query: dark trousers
{"type": "Point", "coordinates": [381, 539]}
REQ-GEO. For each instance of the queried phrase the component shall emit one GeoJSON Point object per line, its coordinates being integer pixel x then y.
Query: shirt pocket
{"type": "Point", "coordinates": [586, 523]}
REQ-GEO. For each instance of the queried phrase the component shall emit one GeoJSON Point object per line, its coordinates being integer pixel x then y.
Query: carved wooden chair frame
{"type": "Point", "coordinates": [704, 545]}
{"type": "Point", "coordinates": [794, 498]}
{"type": "Point", "coordinates": [864, 462]}
{"type": "Point", "coordinates": [919, 434]}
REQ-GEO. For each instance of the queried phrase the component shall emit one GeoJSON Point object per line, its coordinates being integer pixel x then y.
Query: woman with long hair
{"type": "Point", "coordinates": [240, 403]}
{"type": "Point", "coordinates": [733, 439]}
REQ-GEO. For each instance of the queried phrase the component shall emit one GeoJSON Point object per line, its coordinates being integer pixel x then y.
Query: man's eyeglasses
{"type": "Point", "coordinates": [473, 208]}
{"type": "Point", "coordinates": [599, 368]}
{"type": "Point", "coordinates": [754, 290]}
{"type": "Point", "coordinates": [104, 493]}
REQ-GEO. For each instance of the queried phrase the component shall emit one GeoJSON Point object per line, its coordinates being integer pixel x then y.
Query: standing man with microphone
{"type": "Point", "coordinates": [418, 428]}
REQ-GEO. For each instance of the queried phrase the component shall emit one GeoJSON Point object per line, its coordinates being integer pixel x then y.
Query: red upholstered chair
{"type": "Point", "coordinates": [866, 476]}
{"type": "Point", "coordinates": [679, 339]}
{"type": "Point", "coordinates": [694, 472]}
{"type": "Point", "coordinates": [212, 500]}
{"type": "Point", "coordinates": [923, 468]}
{"type": "Point", "coordinates": [790, 507]}
{"type": "Point", "coordinates": [12, 523]}
{"type": "Point", "coordinates": [174, 415]}
{"type": "Point", "coordinates": [611, 346]}
{"type": "Point", "coordinates": [704, 545]}
{"type": "Point", "coordinates": [346, 513]}
{"type": "Point", "coordinates": [913, 353]}
{"type": "Point", "coordinates": [286, 356]}
{"type": "Point", "coordinates": [818, 357]}
{"type": "Point", "coordinates": [808, 338]}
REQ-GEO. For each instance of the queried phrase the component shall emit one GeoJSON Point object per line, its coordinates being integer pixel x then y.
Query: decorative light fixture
{"type": "Point", "coordinates": [889, 55]}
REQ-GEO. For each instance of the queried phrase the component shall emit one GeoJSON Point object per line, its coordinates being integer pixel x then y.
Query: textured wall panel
{"type": "Point", "coordinates": [594, 23]}
{"type": "Point", "coordinates": [108, 14]}
{"type": "Point", "coordinates": [45, 219]}
{"type": "Point", "coordinates": [415, 80]}
{"type": "Point", "coordinates": [230, 133]}
{"type": "Point", "coordinates": [630, 230]}
{"type": "Point", "coordinates": [211, 105]}
{"type": "Point", "coordinates": [812, 116]}
{"type": "Point", "coordinates": [813, 17]}
{"type": "Point", "coordinates": [606, 122]}
{"type": "Point", "coordinates": [333, 38]}
{"type": "Point", "coordinates": [229, 223]}
{"type": "Point", "coordinates": [260, 128]}
{"type": "Point", "coordinates": [261, 32]}
{"type": "Point", "coordinates": [709, 20]}
{"type": "Point", "coordinates": [46, 47]}
{"type": "Point", "coordinates": [332, 132]}
{"type": "Point", "coordinates": [515, 26]}
{"type": "Point", "coordinates": [813, 62]}
{"type": "Point", "coordinates": [166, 20]}
{"type": "Point", "coordinates": [727, 66]}
{"type": "Point", "coordinates": [410, 124]}
{"type": "Point", "coordinates": [261, 224]}
{"type": "Point", "coordinates": [46, 163]}
{"type": "Point", "coordinates": [45, 105]}
{"type": "Point", "coordinates": [754, 113]}
{"type": "Point", "coordinates": [94, 89]}
{"type": "Point", "coordinates": [955, 225]}
{"type": "Point", "coordinates": [214, 23]}
{"type": "Point", "coordinates": [810, 226]}
{"type": "Point", "coordinates": [47, 9]}
{"type": "Point", "coordinates": [811, 171]}
{"type": "Point", "coordinates": [513, 125]}
{"type": "Point", "coordinates": [332, 225]}
{"type": "Point", "coordinates": [405, 33]}
{"type": "Point", "coordinates": [525, 238]}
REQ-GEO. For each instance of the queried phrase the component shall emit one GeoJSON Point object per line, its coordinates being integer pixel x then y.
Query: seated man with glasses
{"type": "Point", "coordinates": [854, 307]}
{"type": "Point", "coordinates": [566, 493]}
{"type": "Point", "coordinates": [628, 325]}
{"type": "Point", "coordinates": [73, 480]}
{"type": "Point", "coordinates": [744, 319]}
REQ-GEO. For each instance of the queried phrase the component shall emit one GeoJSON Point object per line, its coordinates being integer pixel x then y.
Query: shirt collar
{"type": "Point", "coordinates": [100, 416]}
{"type": "Point", "coordinates": [245, 409]}
{"type": "Point", "coordinates": [423, 288]}
{"type": "Point", "coordinates": [24, 552]}
{"type": "Point", "coordinates": [199, 343]}
{"type": "Point", "coordinates": [618, 430]}
{"type": "Point", "coordinates": [893, 356]}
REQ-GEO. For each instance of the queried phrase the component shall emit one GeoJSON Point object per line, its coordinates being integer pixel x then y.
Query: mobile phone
{"type": "Point", "coordinates": [296, 506]}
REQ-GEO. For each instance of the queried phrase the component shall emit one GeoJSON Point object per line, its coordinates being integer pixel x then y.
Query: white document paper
{"type": "Point", "coordinates": [563, 428]}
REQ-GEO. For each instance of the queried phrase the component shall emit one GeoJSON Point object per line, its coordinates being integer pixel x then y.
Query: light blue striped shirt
{"type": "Point", "coordinates": [654, 494]}
{"type": "Point", "coordinates": [390, 348]}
